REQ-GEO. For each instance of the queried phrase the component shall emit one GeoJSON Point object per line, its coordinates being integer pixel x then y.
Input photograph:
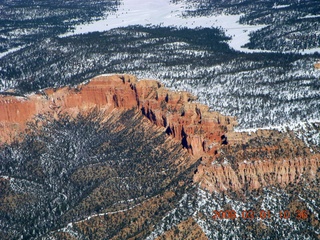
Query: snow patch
{"type": "Point", "coordinates": [275, 6]}
{"type": "Point", "coordinates": [165, 13]}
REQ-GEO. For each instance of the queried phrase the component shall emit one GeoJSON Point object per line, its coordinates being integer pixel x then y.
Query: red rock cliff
{"type": "Point", "coordinates": [230, 160]}
{"type": "Point", "coordinates": [106, 93]}
{"type": "Point", "coordinates": [199, 130]}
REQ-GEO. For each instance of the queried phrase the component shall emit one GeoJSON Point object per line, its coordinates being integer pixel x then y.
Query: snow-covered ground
{"type": "Point", "coordinates": [164, 13]}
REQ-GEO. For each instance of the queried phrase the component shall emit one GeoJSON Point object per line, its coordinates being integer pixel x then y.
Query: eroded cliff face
{"type": "Point", "coordinates": [256, 174]}
{"type": "Point", "coordinates": [230, 160]}
{"type": "Point", "coordinates": [199, 130]}
{"type": "Point", "coordinates": [104, 93]}
{"type": "Point", "coordinates": [260, 159]}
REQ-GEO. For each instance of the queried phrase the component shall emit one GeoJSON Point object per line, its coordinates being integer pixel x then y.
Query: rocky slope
{"type": "Point", "coordinates": [108, 171]}
{"type": "Point", "coordinates": [230, 159]}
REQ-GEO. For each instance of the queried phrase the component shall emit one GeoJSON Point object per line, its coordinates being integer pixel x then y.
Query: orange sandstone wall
{"type": "Point", "coordinates": [256, 174]}
{"type": "Point", "coordinates": [198, 129]}
{"type": "Point", "coordinates": [106, 93]}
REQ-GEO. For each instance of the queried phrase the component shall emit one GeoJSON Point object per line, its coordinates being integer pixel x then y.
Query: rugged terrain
{"type": "Point", "coordinates": [118, 157]}
{"type": "Point", "coordinates": [113, 157]}
{"type": "Point", "coordinates": [272, 84]}
{"type": "Point", "coordinates": [260, 89]}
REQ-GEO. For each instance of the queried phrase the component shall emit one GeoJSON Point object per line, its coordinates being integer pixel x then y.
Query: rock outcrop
{"type": "Point", "coordinates": [104, 93]}
{"type": "Point", "coordinates": [230, 160]}
{"type": "Point", "coordinates": [199, 130]}
{"type": "Point", "coordinates": [256, 174]}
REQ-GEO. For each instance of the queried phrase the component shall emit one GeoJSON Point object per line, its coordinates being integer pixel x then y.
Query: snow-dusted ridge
{"type": "Point", "coordinates": [302, 130]}
{"type": "Point", "coordinates": [290, 126]}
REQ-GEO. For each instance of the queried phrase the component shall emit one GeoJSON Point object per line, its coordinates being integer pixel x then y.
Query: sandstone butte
{"type": "Point", "coordinates": [204, 134]}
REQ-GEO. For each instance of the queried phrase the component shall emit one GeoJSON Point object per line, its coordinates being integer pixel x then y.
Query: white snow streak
{"type": "Point", "coordinates": [12, 50]}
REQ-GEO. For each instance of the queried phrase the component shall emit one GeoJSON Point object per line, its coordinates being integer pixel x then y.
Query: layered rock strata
{"type": "Point", "coordinates": [230, 160]}
{"type": "Point", "coordinates": [199, 130]}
